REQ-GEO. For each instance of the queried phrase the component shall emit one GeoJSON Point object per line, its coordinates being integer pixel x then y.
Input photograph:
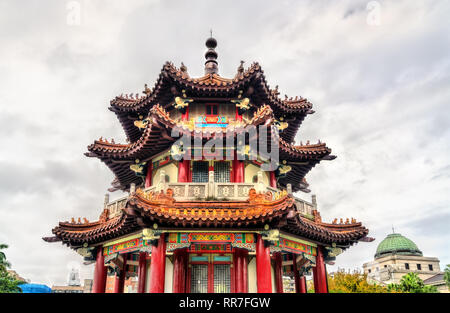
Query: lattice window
{"type": "Point", "coordinates": [199, 278]}
{"type": "Point", "coordinates": [222, 278]}
{"type": "Point", "coordinates": [221, 172]}
{"type": "Point", "coordinates": [200, 172]}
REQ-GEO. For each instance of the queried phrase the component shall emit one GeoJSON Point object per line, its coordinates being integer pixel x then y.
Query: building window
{"type": "Point", "coordinates": [199, 278]}
{"type": "Point", "coordinates": [210, 274]}
{"type": "Point", "coordinates": [221, 172]}
{"type": "Point", "coordinates": [370, 271]}
{"type": "Point", "coordinates": [377, 268]}
{"type": "Point", "coordinates": [407, 266]}
{"type": "Point", "coordinates": [419, 267]}
{"type": "Point", "coordinates": [212, 109]}
{"type": "Point", "coordinates": [430, 267]}
{"type": "Point", "coordinates": [200, 172]}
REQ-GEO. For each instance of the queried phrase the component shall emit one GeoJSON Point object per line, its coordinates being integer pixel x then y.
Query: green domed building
{"type": "Point", "coordinates": [396, 244]}
{"type": "Point", "coordinates": [396, 256]}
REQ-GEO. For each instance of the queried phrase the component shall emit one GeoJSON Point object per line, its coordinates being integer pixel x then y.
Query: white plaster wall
{"type": "Point", "coordinates": [170, 169]}
{"type": "Point", "coordinates": [252, 287]}
{"type": "Point", "coordinates": [252, 170]}
{"type": "Point", "coordinates": [168, 276]}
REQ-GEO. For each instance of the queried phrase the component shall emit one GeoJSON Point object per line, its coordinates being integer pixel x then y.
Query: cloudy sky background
{"type": "Point", "coordinates": [381, 95]}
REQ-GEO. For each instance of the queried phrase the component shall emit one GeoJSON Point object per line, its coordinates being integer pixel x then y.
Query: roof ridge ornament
{"type": "Point", "coordinates": [211, 65]}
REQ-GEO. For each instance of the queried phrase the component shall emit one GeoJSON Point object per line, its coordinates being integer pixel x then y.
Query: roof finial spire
{"type": "Point", "coordinates": [393, 229]}
{"type": "Point", "coordinates": [211, 56]}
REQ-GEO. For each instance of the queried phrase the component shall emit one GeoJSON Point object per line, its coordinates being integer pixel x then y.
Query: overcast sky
{"type": "Point", "coordinates": [377, 74]}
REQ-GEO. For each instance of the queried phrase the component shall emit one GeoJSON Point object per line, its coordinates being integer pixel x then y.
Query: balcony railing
{"type": "Point", "coordinates": [211, 191]}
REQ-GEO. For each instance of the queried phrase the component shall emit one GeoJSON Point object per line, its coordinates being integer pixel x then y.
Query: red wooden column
{"type": "Point", "coordinates": [142, 272]}
{"type": "Point", "coordinates": [303, 288]}
{"type": "Point", "coordinates": [185, 115]}
{"type": "Point", "coordinates": [148, 178]}
{"type": "Point", "coordinates": [239, 271]}
{"type": "Point", "coordinates": [244, 270]}
{"type": "Point", "coordinates": [116, 283]}
{"type": "Point", "coordinates": [158, 266]}
{"type": "Point", "coordinates": [238, 170]}
{"type": "Point", "coordinates": [100, 272]}
{"type": "Point", "coordinates": [320, 274]}
{"type": "Point", "coordinates": [263, 270]}
{"type": "Point", "coordinates": [278, 272]}
{"type": "Point", "coordinates": [238, 116]}
{"type": "Point", "coordinates": [179, 270]}
{"type": "Point", "coordinates": [273, 179]}
{"type": "Point", "coordinates": [122, 274]}
{"type": "Point", "coordinates": [296, 274]}
{"type": "Point", "coordinates": [183, 171]}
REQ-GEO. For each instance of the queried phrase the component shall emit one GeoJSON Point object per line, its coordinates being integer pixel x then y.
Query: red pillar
{"type": "Point", "coordinates": [273, 179]}
{"type": "Point", "coordinates": [263, 270]}
{"type": "Point", "coordinates": [319, 272]}
{"type": "Point", "coordinates": [244, 271]}
{"type": "Point", "coordinates": [185, 116]}
{"type": "Point", "coordinates": [99, 273]}
{"type": "Point", "coordinates": [303, 288]}
{"type": "Point", "coordinates": [183, 171]}
{"type": "Point", "coordinates": [116, 283]}
{"type": "Point", "coordinates": [296, 274]}
{"type": "Point", "coordinates": [278, 272]}
{"type": "Point", "coordinates": [148, 178]}
{"type": "Point", "coordinates": [179, 270]}
{"type": "Point", "coordinates": [158, 266]}
{"type": "Point", "coordinates": [239, 271]}
{"type": "Point", "coordinates": [122, 275]}
{"type": "Point", "coordinates": [238, 169]}
{"type": "Point", "coordinates": [142, 272]}
{"type": "Point", "coordinates": [238, 116]}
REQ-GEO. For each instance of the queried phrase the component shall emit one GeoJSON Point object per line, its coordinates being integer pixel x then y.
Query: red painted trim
{"type": "Point", "coordinates": [158, 266]}
{"type": "Point", "coordinates": [100, 272]}
{"type": "Point", "coordinates": [263, 270]}
{"type": "Point", "coordinates": [278, 273]}
{"type": "Point", "coordinates": [142, 272]}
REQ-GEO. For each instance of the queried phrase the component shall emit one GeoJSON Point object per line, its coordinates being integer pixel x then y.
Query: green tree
{"type": "Point", "coordinates": [447, 275]}
{"type": "Point", "coordinates": [8, 284]}
{"type": "Point", "coordinates": [356, 282]}
{"type": "Point", "coordinates": [411, 283]}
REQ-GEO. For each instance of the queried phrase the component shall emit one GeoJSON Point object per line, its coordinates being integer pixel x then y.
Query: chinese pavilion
{"type": "Point", "coordinates": [209, 217]}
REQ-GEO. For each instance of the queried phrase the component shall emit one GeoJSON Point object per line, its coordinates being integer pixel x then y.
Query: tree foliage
{"type": "Point", "coordinates": [447, 275]}
{"type": "Point", "coordinates": [356, 282]}
{"type": "Point", "coordinates": [411, 283]}
{"type": "Point", "coordinates": [8, 284]}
